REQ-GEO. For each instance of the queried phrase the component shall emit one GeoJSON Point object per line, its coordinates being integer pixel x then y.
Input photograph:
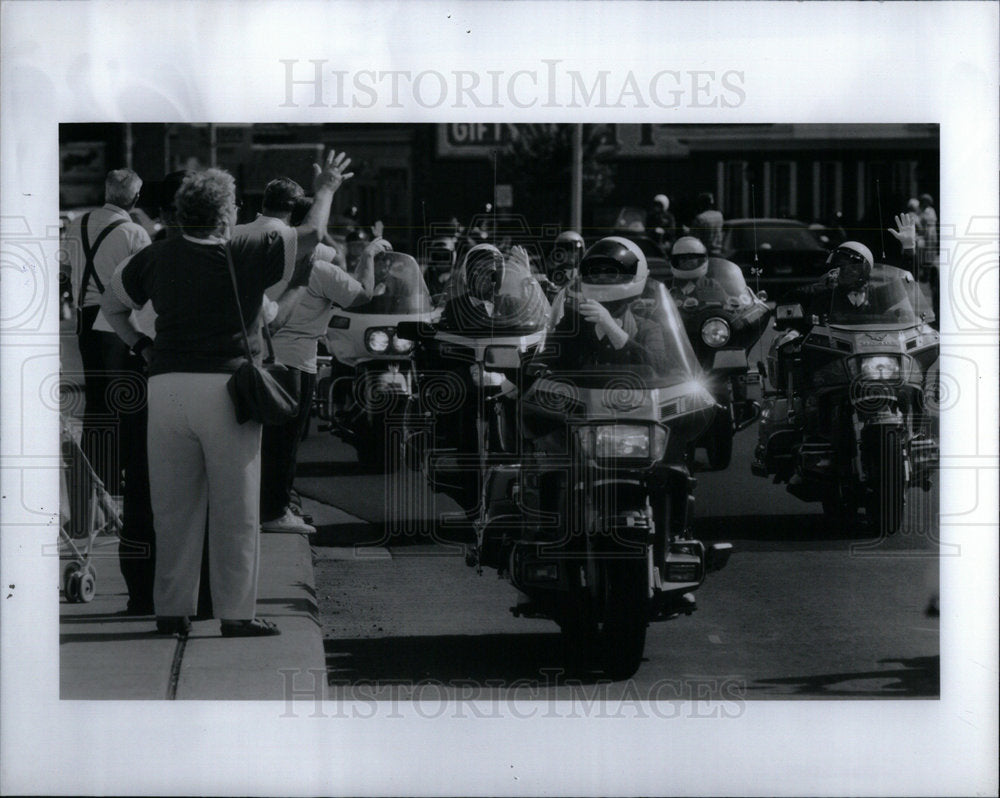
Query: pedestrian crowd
{"type": "Point", "coordinates": [174, 315]}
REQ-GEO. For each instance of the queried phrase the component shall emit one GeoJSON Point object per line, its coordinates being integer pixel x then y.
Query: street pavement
{"type": "Point", "coordinates": [382, 600]}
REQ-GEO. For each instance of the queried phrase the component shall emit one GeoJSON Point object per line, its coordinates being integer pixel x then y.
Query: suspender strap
{"type": "Point", "coordinates": [89, 270]}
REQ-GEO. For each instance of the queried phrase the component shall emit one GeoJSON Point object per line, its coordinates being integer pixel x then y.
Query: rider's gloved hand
{"type": "Point", "coordinates": [599, 316]}
{"type": "Point", "coordinates": [906, 225]}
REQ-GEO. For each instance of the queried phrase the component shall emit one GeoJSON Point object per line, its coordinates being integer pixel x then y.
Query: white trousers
{"type": "Point", "coordinates": [201, 460]}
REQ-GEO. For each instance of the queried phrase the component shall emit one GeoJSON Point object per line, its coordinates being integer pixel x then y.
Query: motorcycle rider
{"type": "Point", "coordinates": [481, 305]}
{"type": "Point", "coordinates": [563, 262]}
{"type": "Point", "coordinates": [689, 267]}
{"type": "Point", "coordinates": [613, 274]}
{"type": "Point", "coordinates": [844, 290]}
{"type": "Point", "coordinates": [707, 225]}
{"type": "Point", "coordinates": [660, 221]}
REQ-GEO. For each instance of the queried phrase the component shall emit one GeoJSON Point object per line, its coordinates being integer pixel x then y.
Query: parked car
{"type": "Point", "coordinates": [787, 252]}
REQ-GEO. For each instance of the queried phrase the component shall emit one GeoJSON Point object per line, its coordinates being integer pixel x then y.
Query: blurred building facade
{"type": "Point", "coordinates": [412, 176]}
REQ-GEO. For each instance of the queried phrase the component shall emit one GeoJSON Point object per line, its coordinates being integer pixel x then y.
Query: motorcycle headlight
{"type": "Point", "coordinates": [880, 367]}
{"type": "Point", "coordinates": [624, 440]}
{"type": "Point", "coordinates": [377, 340]}
{"type": "Point", "coordinates": [491, 379]}
{"type": "Point", "coordinates": [401, 345]}
{"type": "Point", "coordinates": [715, 332]}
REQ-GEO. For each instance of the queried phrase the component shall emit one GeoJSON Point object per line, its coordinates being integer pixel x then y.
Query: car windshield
{"type": "Point", "coordinates": [774, 235]}
{"type": "Point", "coordinates": [399, 287]}
{"type": "Point", "coordinates": [891, 298]}
{"type": "Point", "coordinates": [658, 354]}
{"type": "Point", "coordinates": [492, 294]}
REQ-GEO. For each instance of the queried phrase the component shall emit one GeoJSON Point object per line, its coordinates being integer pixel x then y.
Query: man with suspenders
{"type": "Point", "coordinates": [103, 239]}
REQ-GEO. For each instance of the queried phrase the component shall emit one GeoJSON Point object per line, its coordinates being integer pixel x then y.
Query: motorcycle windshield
{"type": "Point", "coordinates": [491, 295]}
{"type": "Point", "coordinates": [399, 288]}
{"type": "Point", "coordinates": [892, 298]}
{"type": "Point", "coordinates": [658, 353]}
{"type": "Point", "coordinates": [723, 285]}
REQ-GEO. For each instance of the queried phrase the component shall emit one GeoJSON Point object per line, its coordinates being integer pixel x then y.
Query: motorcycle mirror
{"type": "Point", "coordinates": [502, 357]}
{"type": "Point", "coordinates": [762, 296]}
{"type": "Point", "coordinates": [415, 330]}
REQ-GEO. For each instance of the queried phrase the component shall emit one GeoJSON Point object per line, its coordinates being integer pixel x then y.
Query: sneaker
{"type": "Point", "coordinates": [288, 523]}
{"type": "Point", "coordinates": [257, 627]}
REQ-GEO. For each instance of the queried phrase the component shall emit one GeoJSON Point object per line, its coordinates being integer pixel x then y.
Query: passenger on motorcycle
{"type": "Point", "coordinates": [594, 319]}
{"type": "Point", "coordinates": [563, 262]}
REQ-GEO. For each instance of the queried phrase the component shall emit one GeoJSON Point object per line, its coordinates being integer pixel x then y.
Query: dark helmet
{"type": "Point", "coordinates": [613, 269]}
{"type": "Point", "coordinates": [358, 234]}
{"type": "Point", "coordinates": [688, 258]}
{"type": "Point", "coordinates": [565, 257]}
{"type": "Point", "coordinates": [853, 262]}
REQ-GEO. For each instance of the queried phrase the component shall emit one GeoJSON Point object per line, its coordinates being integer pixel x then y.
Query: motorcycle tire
{"type": "Point", "coordinates": [626, 616]}
{"type": "Point", "coordinates": [887, 492]}
{"type": "Point", "coordinates": [719, 441]}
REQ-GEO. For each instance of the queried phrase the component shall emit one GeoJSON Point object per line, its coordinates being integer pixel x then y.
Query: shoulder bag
{"type": "Point", "coordinates": [257, 391]}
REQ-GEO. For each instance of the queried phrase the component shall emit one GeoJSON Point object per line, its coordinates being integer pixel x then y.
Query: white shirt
{"type": "Point", "coordinates": [120, 244]}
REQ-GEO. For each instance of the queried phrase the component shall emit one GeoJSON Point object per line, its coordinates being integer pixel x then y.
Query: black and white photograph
{"type": "Point", "coordinates": [458, 418]}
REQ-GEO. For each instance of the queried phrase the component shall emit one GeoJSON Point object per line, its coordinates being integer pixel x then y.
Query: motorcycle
{"type": "Point", "coordinates": [724, 322]}
{"type": "Point", "coordinates": [365, 384]}
{"type": "Point", "coordinates": [849, 418]}
{"type": "Point", "coordinates": [587, 511]}
{"type": "Point", "coordinates": [464, 414]}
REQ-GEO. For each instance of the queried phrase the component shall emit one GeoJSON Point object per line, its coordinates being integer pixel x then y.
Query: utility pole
{"type": "Point", "coordinates": [576, 195]}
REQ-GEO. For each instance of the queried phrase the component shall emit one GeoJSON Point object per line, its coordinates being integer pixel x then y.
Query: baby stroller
{"type": "Point", "coordinates": [87, 511]}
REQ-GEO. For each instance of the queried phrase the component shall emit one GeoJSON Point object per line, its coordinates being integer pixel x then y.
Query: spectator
{"type": "Point", "coordinates": [707, 225]}
{"type": "Point", "coordinates": [930, 224]}
{"type": "Point", "coordinates": [101, 240]}
{"type": "Point", "coordinates": [295, 348]}
{"type": "Point", "coordinates": [137, 544]}
{"type": "Point", "coordinates": [204, 458]}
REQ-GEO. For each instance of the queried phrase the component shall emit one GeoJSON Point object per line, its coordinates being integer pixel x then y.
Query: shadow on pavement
{"type": "Point", "coordinates": [916, 677]}
{"type": "Point", "coordinates": [333, 468]}
{"type": "Point", "coordinates": [812, 528]}
{"type": "Point", "coordinates": [365, 534]}
{"type": "Point", "coordinates": [488, 661]}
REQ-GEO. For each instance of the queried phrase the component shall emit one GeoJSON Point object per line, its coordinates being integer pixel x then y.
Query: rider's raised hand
{"type": "Point", "coordinates": [601, 318]}
{"type": "Point", "coordinates": [377, 247]}
{"type": "Point", "coordinates": [519, 255]}
{"type": "Point", "coordinates": [333, 173]}
{"type": "Point", "coordinates": [906, 230]}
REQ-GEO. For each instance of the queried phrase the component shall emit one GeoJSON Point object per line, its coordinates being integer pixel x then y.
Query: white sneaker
{"type": "Point", "coordinates": [288, 522]}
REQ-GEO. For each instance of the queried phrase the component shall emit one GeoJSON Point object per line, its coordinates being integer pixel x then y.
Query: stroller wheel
{"type": "Point", "coordinates": [88, 585]}
{"type": "Point", "coordinates": [73, 588]}
{"type": "Point", "coordinates": [67, 574]}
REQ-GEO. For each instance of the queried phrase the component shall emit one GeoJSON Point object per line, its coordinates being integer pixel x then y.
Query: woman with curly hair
{"type": "Point", "coordinates": [201, 461]}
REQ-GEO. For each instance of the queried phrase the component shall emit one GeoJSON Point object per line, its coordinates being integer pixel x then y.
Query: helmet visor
{"type": "Point", "coordinates": [853, 267]}
{"type": "Point", "coordinates": [601, 270]}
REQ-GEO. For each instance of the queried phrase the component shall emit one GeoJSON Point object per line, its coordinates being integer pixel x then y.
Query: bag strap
{"type": "Point", "coordinates": [89, 252]}
{"type": "Point", "coordinates": [269, 342]}
{"type": "Point", "coordinates": [239, 307]}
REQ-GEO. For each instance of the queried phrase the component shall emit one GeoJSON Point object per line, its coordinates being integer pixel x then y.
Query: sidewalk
{"type": "Point", "coordinates": [105, 655]}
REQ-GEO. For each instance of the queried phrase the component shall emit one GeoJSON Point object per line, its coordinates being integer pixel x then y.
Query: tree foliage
{"type": "Point", "coordinates": [538, 165]}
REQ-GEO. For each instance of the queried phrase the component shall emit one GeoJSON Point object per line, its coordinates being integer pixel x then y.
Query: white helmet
{"type": "Point", "coordinates": [853, 262]}
{"type": "Point", "coordinates": [688, 259]}
{"type": "Point", "coordinates": [662, 200]}
{"type": "Point", "coordinates": [611, 270]}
